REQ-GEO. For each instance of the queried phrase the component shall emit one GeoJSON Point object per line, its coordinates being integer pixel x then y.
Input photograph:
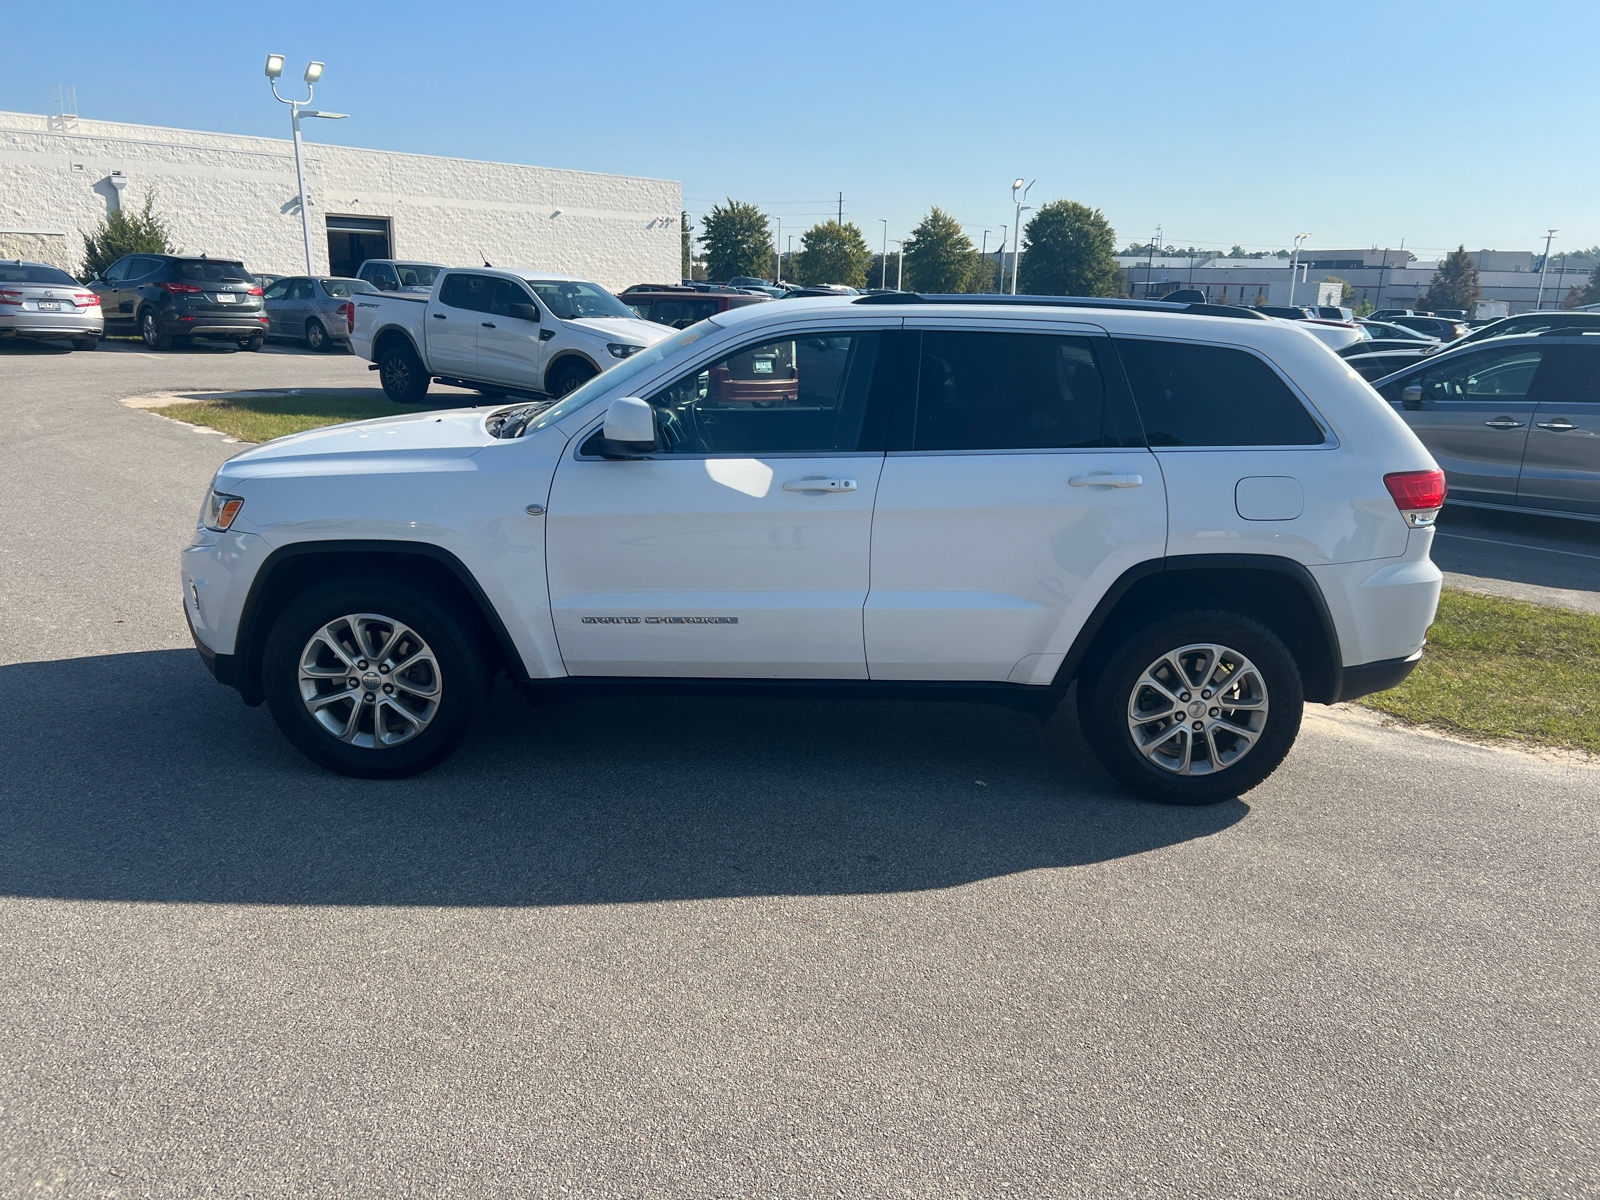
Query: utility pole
{"type": "Point", "coordinates": [1544, 266]}
{"type": "Point", "coordinates": [883, 276]}
{"type": "Point", "coordinates": [1151, 265]}
{"type": "Point", "coordinates": [841, 208]}
{"type": "Point", "coordinates": [1000, 264]}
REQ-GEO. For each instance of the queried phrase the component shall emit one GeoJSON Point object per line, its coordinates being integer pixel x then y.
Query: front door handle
{"type": "Point", "coordinates": [1505, 423]}
{"type": "Point", "coordinates": [1558, 425]}
{"type": "Point", "coordinates": [1101, 479]}
{"type": "Point", "coordinates": [438, 316]}
{"type": "Point", "coordinates": [816, 483]}
{"type": "Point", "coordinates": [488, 324]}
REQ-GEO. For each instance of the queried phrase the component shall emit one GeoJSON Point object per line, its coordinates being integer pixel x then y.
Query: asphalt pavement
{"type": "Point", "coordinates": [710, 949]}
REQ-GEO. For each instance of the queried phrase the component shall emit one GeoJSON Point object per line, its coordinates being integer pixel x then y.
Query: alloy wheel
{"type": "Point", "coordinates": [369, 680]}
{"type": "Point", "coordinates": [1198, 709]}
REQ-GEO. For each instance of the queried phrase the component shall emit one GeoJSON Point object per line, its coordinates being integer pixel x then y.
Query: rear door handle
{"type": "Point", "coordinates": [438, 316]}
{"type": "Point", "coordinates": [1559, 425]}
{"type": "Point", "coordinates": [819, 484]}
{"type": "Point", "coordinates": [1101, 479]}
{"type": "Point", "coordinates": [1505, 423]}
{"type": "Point", "coordinates": [488, 324]}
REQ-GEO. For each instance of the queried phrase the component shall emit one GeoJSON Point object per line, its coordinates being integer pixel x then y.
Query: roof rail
{"type": "Point", "coordinates": [1204, 310]}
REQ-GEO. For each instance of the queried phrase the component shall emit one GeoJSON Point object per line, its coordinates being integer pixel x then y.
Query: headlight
{"type": "Point", "coordinates": [622, 349]}
{"type": "Point", "coordinates": [221, 509]}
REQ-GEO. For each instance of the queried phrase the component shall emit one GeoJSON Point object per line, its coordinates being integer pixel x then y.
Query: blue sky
{"type": "Point", "coordinates": [1361, 123]}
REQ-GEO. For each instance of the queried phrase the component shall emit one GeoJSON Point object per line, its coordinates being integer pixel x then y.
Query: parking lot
{"type": "Point", "coordinates": [719, 949]}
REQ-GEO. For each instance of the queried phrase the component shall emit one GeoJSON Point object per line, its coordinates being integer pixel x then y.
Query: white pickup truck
{"type": "Point", "coordinates": [497, 331]}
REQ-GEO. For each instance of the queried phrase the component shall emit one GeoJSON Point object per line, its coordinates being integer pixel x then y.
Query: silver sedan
{"type": "Point", "coordinates": [313, 310]}
{"type": "Point", "coordinates": [44, 302]}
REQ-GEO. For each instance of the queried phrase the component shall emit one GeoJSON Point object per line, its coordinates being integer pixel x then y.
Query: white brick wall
{"type": "Point", "coordinates": [235, 197]}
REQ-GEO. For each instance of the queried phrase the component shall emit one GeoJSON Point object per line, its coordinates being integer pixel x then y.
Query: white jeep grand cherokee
{"type": "Point", "coordinates": [1202, 519]}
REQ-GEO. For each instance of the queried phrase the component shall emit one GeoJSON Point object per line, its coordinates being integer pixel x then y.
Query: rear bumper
{"type": "Point", "coordinates": [47, 327]}
{"type": "Point", "coordinates": [1367, 678]}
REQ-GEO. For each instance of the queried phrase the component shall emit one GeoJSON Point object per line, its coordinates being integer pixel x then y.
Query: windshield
{"type": "Point", "coordinates": [627, 369]}
{"type": "Point", "coordinates": [28, 273]}
{"type": "Point", "coordinates": [417, 274]}
{"type": "Point", "coordinates": [340, 288]}
{"type": "Point", "coordinates": [571, 299]}
{"type": "Point", "coordinates": [213, 272]}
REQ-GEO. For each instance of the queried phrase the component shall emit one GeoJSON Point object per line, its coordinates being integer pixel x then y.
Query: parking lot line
{"type": "Point", "coordinates": [1515, 545]}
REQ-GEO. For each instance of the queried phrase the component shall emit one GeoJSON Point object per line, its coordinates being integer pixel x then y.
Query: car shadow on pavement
{"type": "Point", "coordinates": [134, 777]}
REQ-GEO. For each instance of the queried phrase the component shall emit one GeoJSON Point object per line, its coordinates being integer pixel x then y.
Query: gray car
{"type": "Point", "coordinates": [44, 302]}
{"type": "Point", "coordinates": [1514, 421]}
{"type": "Point", "coordinates": [316, 311]}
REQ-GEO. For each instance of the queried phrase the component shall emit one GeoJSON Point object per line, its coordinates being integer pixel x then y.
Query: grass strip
{"type": "Point", "coordinates": [1498, 669]}
{"type": "Point", "coordinates": [263, 417]}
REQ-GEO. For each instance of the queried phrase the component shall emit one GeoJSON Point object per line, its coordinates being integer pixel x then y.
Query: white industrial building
{"type": "Point", "coordinates": [236, 197]}
{"type": "Point", "coordinates": [1384, 278]}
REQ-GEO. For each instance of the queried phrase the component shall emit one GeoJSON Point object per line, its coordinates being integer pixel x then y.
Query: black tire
{"type": "Point", "coordinates": [1107, 693]}
{"type": "Point", "coordinates": [461, 677]}
{"type": "Point", "coordinates": [404, 381]}
{"type": "Point", "coordinates": [150, 331]}
{"type": "Point", "coordinates": [317, 336]}
{"type": "Point", "coordinates": [570, 376]}
{"type": "Point", "coordinates": [85, 343]}
{"type": "Point", "coordinates": [253, 343]}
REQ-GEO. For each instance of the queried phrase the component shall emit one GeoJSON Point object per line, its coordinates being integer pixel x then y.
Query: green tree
{"type": "Point", "coordinates": [1455, 284]}
{"type": "Point", "coordinates": [939, 257]}
{"type": "Point", "coordinates": [686, 226]}
{"type": "Point", "coordinates": [1068, 249]}
{"type": "Point", "coordinates": [119, 233]}
{"type": "Point", "coordinates": [737, 241]}
{"type": "Point", "coordinates": [1345, 290]}
{"type": "Point", "coordinates": [833, 253]}
{"type": "Point", "coordinates": [1591, 294]}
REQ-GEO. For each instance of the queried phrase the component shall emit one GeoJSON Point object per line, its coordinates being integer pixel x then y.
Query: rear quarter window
{"type": "Point", "coordinates": [1189, 394]}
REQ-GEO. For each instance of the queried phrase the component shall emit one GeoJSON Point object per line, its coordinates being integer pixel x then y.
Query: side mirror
{"type": "Point", "coordinates": [1411, 397]}
{"type": "Point", "coordinates": [630, 426]}
{"type": "Point", "coordinates": [523, 312]}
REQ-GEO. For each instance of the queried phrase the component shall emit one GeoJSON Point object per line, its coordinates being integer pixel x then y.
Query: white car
{"type": "Point", "coordinates": [499, 332]}
{"type": "Point", "coordinates": [1202, 521]}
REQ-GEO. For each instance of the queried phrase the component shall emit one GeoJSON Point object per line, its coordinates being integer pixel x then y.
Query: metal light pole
{"type": "Point", "coordinates": [883, 276]}
{"type": "Point", "coordinates": [900, 263]}
{"type": "Point", "coordinates": [778, 246]}
{"type": "Point", "coordinates": [1294, 263]}
{"type": "Point", "coordinates": [1016, 242]}
{"type": "Point", "coordinates": [312, 75]}
{"type": "Point", "coordinates": [1000, 264]}
{"type": "Point", "coordinates": [1543, 267]}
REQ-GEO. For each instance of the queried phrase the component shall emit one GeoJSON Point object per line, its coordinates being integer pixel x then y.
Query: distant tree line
{"type": "Point", "coordinates": [1068, 249]}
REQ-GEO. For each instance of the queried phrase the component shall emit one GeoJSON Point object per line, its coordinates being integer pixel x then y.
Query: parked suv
{"type": "Point", "coordinates": [681, 307]}
{"type": "Point", "coordinates": [44, 302]}
{"type": "Point", "coordinates": [1202, 521]}
{"type": "Point", "coordinates": [169, 300]}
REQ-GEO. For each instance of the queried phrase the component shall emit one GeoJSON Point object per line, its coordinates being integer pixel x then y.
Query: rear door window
{"type": "Point", "coordinates": [471, 292]}
{"type": "Point", "coordinates": [1569, 375]}
{"type": "Point", "coordinates": [1190, 394]}
{"type": "Point", "coordinates": [1007, 391]}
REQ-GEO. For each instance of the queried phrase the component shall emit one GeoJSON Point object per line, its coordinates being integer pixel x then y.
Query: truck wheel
{"type": "Point", "coordinates": [316, 335]}
{"type": "Point", "coordinates": [150, 331]}
{"type": "Point", "coordinates": [85, 343]}
{"type": "Point", "coordinates": [1195, 708]}
{"type": "Point", "coordinates": [404, 380]}
{"type": "Point", "coordinates": [570, 376]}
{"type": "Point", "coordinates": [373, 678]}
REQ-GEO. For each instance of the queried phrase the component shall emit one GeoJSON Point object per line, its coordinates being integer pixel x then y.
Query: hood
{"type": "Point", "coordinates": [625, 329]}
{"type": "Point", "coordinates": [440, 440]}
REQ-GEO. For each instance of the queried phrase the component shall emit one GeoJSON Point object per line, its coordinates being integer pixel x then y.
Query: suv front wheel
{"type": "Point", "coordinates": [373, 679]}
{"type": "Point", "coordinates": [1194, 708]}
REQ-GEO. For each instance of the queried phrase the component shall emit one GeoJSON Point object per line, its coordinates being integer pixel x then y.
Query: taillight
{"type": "Point", "coordinates": [86, 299]}
{"type": "Point", "coordinates": [181, 289]}
{"type": "Point", "coordinates": [7, 296]}
{"type": "Point", "coordinates": [1419, 495]}
{"type": "Point", "coordinates": [256, 292]}
{"type": "Point", "coordinates": [348, 309]}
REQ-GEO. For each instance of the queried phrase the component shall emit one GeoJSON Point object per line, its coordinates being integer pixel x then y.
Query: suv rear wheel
{"type": "Point", "coordinates": [373, 679]}
{"type": "Point", "coordinates": [150, 331]}
{"type": "Point", "coordinates": [1194, 708]}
